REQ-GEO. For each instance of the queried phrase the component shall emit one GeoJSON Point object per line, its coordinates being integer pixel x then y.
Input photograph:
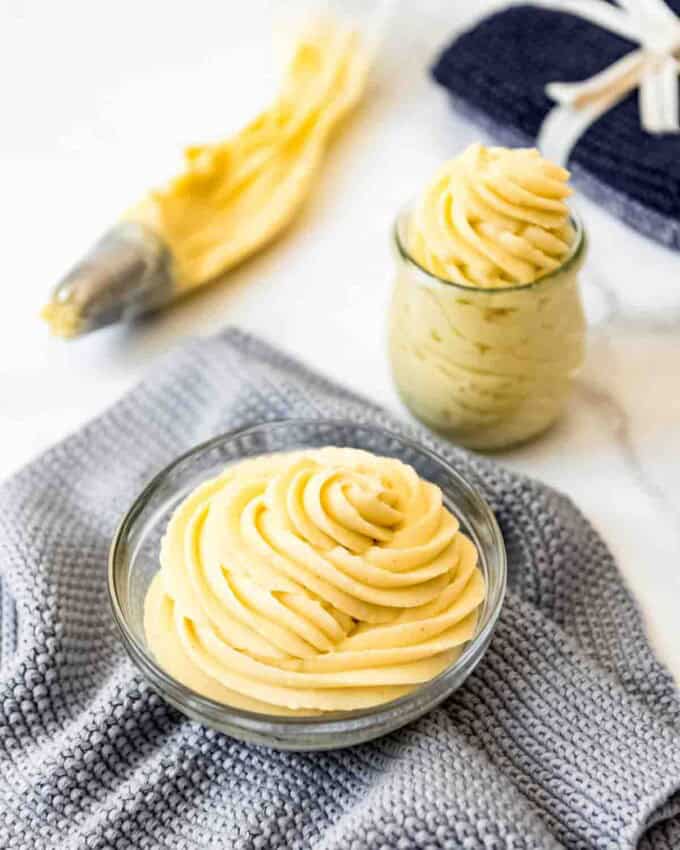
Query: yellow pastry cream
{"type": "Point", "coordinates": [237, 195]}
{"type": "Point", "coordinates": [487, 328]}
{"type": "Point", "coordinates": [231, 199]}
{"type": "Point", "coordinates": [313, 581]}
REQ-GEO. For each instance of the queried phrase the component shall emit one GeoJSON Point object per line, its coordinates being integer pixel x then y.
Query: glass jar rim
{"type": "Point", "coordinates": [575, 255]}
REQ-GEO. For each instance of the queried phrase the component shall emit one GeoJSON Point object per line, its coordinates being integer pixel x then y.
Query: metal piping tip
{"type": "Point", "coordinates": [128, 272]}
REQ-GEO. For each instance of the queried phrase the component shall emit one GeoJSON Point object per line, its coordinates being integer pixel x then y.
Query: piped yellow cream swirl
{"type": "Point", "coordinates": [493, 217]}
{"type": "Point", "coordinates": [321, 580]}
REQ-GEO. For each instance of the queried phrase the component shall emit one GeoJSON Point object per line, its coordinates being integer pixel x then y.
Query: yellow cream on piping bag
{"type": "Point", "coordinates": [232, 198]}
{"type": "Point", "coordinates": [237, 195]}
{"type": "Point", "coordinates": [321, 580]}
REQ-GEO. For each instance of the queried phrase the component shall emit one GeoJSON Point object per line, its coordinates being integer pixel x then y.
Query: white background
{"type": "Point", "coordinates": [97, 102]}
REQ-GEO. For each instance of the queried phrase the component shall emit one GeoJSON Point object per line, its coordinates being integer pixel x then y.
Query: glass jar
{"type": "Point", "coordinates": [486, 367]}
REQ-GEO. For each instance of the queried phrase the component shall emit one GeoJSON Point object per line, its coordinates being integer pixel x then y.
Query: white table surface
{"type": "Point", "coordinates": [98, 100]}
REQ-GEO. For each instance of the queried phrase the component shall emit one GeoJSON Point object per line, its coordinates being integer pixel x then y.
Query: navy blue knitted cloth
{"type": "Point", "coordinates": [497, 73]}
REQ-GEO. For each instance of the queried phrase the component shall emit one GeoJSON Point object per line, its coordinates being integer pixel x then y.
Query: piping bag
{"type": "Point", "coordinates": [232, 198]}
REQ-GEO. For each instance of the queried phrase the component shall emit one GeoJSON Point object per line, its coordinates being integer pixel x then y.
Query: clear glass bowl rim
{"type": "Point", "coordinates": [329, 723]}
{"type": "Point", "coordinates": [576, 254]}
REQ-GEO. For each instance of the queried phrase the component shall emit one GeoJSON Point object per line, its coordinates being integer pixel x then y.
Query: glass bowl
{"type": "Point", "coordinates": [134, 560]}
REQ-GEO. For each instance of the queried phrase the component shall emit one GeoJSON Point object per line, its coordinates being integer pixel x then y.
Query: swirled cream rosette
{"type": "Point", "coordinates": [492, 218]}
{"type": "Point", "coordinates": [312, 581]}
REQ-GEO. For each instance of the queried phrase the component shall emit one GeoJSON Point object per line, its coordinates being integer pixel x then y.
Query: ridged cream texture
{"type": "Point", "coordinates": [493, 217]}
{"type": "Point", "coordinates": [313, 581]}
{"type": "Point", "coordinates": [235, 196]}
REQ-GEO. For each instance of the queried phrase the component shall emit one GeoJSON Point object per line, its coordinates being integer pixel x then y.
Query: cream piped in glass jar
{"type": "Point", "coordinates": [487, 328]}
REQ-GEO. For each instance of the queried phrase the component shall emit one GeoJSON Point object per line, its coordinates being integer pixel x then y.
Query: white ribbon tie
{"type": "Point", "coordinates": [652, 68]}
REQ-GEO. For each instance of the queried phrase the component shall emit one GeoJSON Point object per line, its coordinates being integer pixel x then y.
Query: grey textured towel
{"type": "Point", "coordinates": [567, 735]}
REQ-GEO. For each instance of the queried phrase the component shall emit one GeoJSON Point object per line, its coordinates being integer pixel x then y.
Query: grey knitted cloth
{"type": "Point", "coordinates": [567, 735]}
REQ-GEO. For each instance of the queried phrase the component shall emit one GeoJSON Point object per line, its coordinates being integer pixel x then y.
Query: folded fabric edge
{"type": "Point", "coordinates": [8, 625]}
